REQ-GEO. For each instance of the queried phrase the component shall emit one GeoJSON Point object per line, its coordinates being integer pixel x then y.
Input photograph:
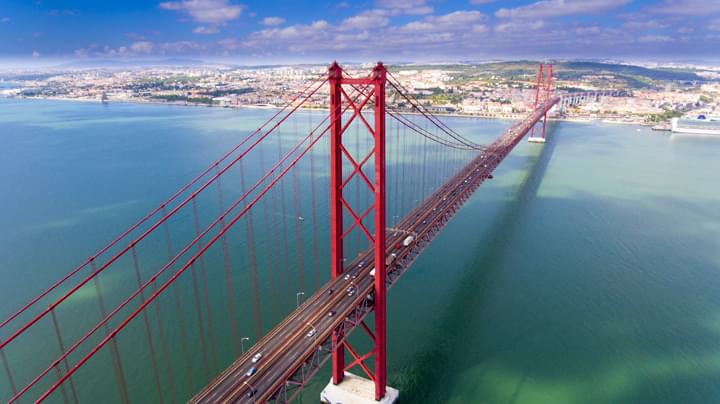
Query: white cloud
{"type": "Point", "coordinates": [366, 20]}
{"type": "Point", "coordinates": [409, 7]}
{"type": "Point", "coordinates": [454, 35]}
{"type": "Point", "coordinates": [206, 30]}
{"type": "Point", "coordinates": [320, 24]}
{"type": "Point", "coordinates": [317, 37]}
{"type": "Point", "coordinates": [519, 26]}
{"type": "Point", "coordinates": [230, 43]}
{"type": "Point", "coordinates": [554, 8]}
{"type": "Point", "coordinates": [142, 47]}
{"type": "Point", "coordinates": [643, 22]}
{"type": "Point", "coordinates": [85, 52]}
{"type": "Point", "coordinates": [654, 38]}
{"type": "Point", "coordinates": [418, 26]}
{"type": "Point", "coordinates": [135, 36]}
{"type": "Point", "coordinates": [206, 11]}
{"type": "Point", "coordinates": [714, 25]}
{"type": "Point", "coordinates": [458, 30]}
{"type": "Point", "coordinates": [5, 19]}
{"type": "Point", "coordinates": [384, 32]}
{"type": "Point", "coordinates": [294, 36]}
{"type": "Point", "coordinates": [458, 20]}
{"type": "Point", "coordinates": [537, 24]}
{"type": "Point", "coordinates": [505, 27]}
{"type": "Point", "coordinates": [399, 3]}
{"type": "Point", "coordinates": [179, 47]}
{"type": "Point", "coordinates": [686, 7]}
{"type": "Point", "coordinates": [460, 17]}
{"type": "Point", "coordinates": [36, 54]}
{"type": "Point", "coordinates": [591, 30]}
{"type": "Point", "coordinates": [480, 28]}
{"type": "Point", "coordinates": [419, 10]}
{"type": "Point", "coordinates": [272, 21]}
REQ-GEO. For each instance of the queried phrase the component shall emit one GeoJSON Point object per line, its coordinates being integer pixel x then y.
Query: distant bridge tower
{"type": "Point", "coordinates": [543, 92]}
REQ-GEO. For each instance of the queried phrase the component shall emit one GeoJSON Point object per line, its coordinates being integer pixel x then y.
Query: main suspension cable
{"type": "Point", "coordinates": [405, 93]}
{"type": "Point", "coordinates": [398, 116]}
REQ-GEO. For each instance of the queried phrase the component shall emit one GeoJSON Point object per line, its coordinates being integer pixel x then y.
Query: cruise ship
{"type": "Point", "coordinates": [701, 125]}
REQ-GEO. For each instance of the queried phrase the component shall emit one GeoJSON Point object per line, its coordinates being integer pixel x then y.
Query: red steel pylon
{"type": "Point", "coordinates": [338, 206]}
{"type": "Point", "coordinates": [543, 92]}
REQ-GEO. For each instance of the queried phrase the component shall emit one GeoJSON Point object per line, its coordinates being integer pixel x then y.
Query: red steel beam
{"type": "Point", "coordinates": [336, 213]}
{"type": "Point", "coordinates": [548, 92]}
{"type": "Point", "coordinates": [380, 77]}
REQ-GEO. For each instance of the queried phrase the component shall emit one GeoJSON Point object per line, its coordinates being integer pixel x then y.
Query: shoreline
{"type": "Point", "coordinates": [141, 101]}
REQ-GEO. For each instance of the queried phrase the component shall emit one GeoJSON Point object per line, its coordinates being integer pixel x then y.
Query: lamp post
{"type": "Point", "coordinates": [242, 344]}
{"type": "Point", "coordinates": [297, 298]}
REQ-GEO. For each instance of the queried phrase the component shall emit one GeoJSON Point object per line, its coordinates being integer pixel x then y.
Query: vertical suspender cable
{"type": "Point", "coordinates": [230, 290]}
{"type": "Point", "coordinates": [148, 332]}
{"type": "Point", "coordinates": [252, 263]}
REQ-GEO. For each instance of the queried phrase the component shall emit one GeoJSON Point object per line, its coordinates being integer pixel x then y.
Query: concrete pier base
{"type": "Point", "coordinates": [356, 390]}
{"type": "Point", "coordinates": [536, 139]}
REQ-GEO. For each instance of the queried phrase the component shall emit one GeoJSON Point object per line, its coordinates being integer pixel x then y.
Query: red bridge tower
{"type": "Point", "coordinates": [374, 86]}
{"type": "Point", "coordinates": [543, 92]}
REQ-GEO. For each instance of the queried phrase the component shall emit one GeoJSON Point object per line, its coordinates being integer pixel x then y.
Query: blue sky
{"type": "Point", "coordinates": [395, 30]}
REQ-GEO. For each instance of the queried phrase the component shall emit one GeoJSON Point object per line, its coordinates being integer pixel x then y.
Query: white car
{"type": "Point", "coordinates": [311, 333]}
{"type": "Point", "coordinates": [257, 357]}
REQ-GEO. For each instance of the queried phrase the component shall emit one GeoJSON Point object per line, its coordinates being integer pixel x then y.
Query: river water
{"type": "Point", "coordinates": [587, 271]}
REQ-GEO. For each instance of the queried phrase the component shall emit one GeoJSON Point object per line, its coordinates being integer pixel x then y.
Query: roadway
{"type": "Point", "coordinates": [301, 339]}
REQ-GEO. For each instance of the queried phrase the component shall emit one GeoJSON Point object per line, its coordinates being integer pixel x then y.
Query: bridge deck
{"type": "Point", "coordinates": [297, 347]}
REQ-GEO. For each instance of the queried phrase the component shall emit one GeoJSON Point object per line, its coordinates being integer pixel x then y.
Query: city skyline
{"type": "Point", "coordinates": [251, 32]}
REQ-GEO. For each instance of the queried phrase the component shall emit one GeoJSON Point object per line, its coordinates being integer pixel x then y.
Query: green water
{"type": "Point", "coordinates": [587, 271]}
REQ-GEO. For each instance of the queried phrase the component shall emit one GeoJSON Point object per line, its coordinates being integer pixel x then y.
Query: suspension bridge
{"type": "Point", "coordinates": [162, 312]}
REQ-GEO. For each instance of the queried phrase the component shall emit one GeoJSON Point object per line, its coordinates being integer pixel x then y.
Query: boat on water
{"type": "Point", "coordinates": [701, 125]}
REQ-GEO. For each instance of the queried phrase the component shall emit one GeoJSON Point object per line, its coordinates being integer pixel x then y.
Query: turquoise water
{"type": "Point", "coordinates": [587, 271]}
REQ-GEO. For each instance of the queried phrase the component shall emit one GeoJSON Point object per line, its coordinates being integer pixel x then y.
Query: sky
{"type": "Point", "coordinates": [299, 31]}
